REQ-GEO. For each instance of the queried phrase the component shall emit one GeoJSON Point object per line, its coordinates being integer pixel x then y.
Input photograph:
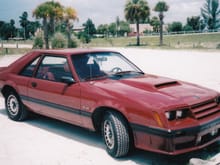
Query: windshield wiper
{"type": "Point", "coordinates": [128, 72]}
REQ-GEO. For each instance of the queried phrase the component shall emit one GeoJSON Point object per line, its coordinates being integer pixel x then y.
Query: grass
{"type": "Point", "coordinates": [204, 41]}
{"type": "Point", "coordinates": [192, 41]}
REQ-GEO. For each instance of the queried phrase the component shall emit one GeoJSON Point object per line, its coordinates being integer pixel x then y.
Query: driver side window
{"type": "Point", "coordinates": [53, 68]}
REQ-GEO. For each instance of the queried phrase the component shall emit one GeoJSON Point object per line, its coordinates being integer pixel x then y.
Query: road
{"type": "Point", "coordinates": [44, 141]}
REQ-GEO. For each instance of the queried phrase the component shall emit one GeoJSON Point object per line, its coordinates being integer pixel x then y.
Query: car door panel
{"type": "Point", "coordinates": [55, 99]}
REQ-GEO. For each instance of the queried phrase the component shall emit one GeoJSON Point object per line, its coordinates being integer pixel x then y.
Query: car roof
{"type": "Point", "coordinates": [17, 65]}
{"type": "Point", "coordinates": [71, 51]}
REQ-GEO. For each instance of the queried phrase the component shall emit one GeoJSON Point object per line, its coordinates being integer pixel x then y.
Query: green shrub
{"type": "Point", "coordinates": [72, 43]}
{"type": "Point", "coordinates": [84, 37]}
{"type": "Point", "coordinates": [38, 42]}
{"type": "Point", "coordinates": [58, 41]}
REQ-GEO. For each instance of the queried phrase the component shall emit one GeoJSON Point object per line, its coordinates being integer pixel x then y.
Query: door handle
{"type": "Point", "coordinates": [34, 84]}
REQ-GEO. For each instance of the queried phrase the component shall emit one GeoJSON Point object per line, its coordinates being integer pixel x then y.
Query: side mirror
{"type": "Point", "coordinates": [67, 80]}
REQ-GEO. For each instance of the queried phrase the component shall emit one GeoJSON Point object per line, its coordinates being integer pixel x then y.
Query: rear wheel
{"type": "Point", "coordinates": [115, 134]}
{"type": "Point", "coordinates": [14, 107]}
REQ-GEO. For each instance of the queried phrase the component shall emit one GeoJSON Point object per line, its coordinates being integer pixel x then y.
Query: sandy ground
{"type": "Point", "coordinates": [44, 141]}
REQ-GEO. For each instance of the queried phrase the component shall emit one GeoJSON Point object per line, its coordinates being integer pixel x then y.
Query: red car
{"type": "Point", "coordinates": [103, 91]}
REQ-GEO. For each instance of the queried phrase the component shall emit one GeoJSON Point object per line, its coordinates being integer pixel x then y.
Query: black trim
{"type": "Point", "coordinates": [136, 127]}
{"type": "Point", "coordinates": [174, 133]}
{"type": "Point", "coordinates": [150, 130]}
{"type": "Point", "coordinates": [57, 106]}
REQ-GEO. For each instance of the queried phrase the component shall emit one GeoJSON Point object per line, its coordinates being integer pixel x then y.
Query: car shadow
{"type": "Point", "coordinates": [94, 139]}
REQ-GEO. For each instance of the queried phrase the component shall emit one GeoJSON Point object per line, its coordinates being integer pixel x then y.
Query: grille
{"type": "Point", "coordinates": [205, 109]}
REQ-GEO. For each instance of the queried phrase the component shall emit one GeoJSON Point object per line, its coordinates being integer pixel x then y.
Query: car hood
{"type": "Point", "coordinates": [156, 92]}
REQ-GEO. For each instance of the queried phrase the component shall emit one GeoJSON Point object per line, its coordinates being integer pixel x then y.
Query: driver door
{"type": "Point", "coordinates": [50, 96]}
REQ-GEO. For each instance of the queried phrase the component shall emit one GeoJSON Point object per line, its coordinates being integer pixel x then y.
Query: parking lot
{"type": "Point", "coordinates": [44, 141]}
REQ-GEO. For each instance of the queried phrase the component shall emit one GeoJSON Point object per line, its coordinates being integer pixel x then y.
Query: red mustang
{"type": "Point", "coordinates": [103, 91]}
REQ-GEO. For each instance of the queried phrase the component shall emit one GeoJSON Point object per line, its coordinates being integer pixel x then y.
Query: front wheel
{"type": "Point", "coordinates": [115, 134]}
{"type": "Point", "coordinates": [14, 107]}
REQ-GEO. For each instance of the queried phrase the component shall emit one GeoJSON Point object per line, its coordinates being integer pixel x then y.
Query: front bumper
{"type": "Point", "coordinates": [175, 142]}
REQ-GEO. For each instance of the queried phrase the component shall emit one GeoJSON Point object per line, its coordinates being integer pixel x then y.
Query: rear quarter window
{"type": "Point", "coordinates": [28, 70]}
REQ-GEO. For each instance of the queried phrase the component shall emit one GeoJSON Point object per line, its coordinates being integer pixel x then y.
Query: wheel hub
{"type": "Point", "coordinates": [109, 134]}
{"type": "Point", "coordinates": [13, 105]}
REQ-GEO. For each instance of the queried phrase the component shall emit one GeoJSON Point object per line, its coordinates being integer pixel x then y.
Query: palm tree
{"type": "Point", "coordinates": [69, 14]}
{"type": "Point", "coordinates": [211, 14]}
{"type": "Point", "coordinates": [24, 22]}
{"type": "Point", "coordinates": [55, 14]}
{"type": "Point", "coordinates": [117, 25]}
{"type": "Point", "coordinates": [48, 11]}
{"type": "Point", "coordinates": [161, 7]}
{"type": "Point", "coordinates": [12, 28]}
{"type": "Point", "coordinates": [137, 11]}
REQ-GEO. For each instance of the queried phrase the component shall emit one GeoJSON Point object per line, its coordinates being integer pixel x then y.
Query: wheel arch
{"type": "Point", "coordinates": [98, 115]}
{"type": "Point", "coordinates": [6, 89]}
{"type": "Point", "coordinates": [97, 119]}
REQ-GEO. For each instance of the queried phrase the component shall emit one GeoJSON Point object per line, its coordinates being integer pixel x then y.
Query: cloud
{"type": "Point", "coordinates": [180, 10]}
{"type": "Point", "coordinates": [101, 11]}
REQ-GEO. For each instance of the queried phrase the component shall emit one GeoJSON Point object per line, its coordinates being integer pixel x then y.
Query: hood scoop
{"type": "Point", "coordinates": [167, 84]}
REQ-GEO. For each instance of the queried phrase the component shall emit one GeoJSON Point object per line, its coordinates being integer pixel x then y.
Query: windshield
{"type": "Point", "coordinates": [97, 65]}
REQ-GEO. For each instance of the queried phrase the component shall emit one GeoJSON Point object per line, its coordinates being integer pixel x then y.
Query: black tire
{"type": "Point", "coordinates": [115, 134]}
{"type": "Point", "coordinates": [14, 107]}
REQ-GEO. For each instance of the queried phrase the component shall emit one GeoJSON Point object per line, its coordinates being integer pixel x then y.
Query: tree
{"type": "Point", "coordinates": [117, 25]}
{"type": "Point", "coordinates": [102, 29]}
{"type": "Point", "coordinates": [155, 23]}
{"type": "Point", "coordinates": [187, 28]}
{"type": "Point", "coordinates": [89, 31]}
{"type": "Point", "coordinates": [49, 12]}
{"type": "Point", "coordinates": [69, 14]}
{"type": "Point", "coordinates": [24, 23]}
{"type": "Point", "coordinates": [7, 30]}
{"type": "Point", "coordinates": [194, 22]}
{"type": "Point", "coordinates": [28, 27]}
{"type": "Point", "coordinates": [55, 15]}
{"type": "Point", "coordinates": [113, 29]}
{"type": "Point", "coordinates": [137, 11]}
{"type": "Point", "coordinates": [175, 27]}
{"type": "Point", "coordinates": [89, 27]}
{"type": "Point", "coordinates": [12, 28]}
{"type": "Point", "coordinates": [84, 37]}
{"type": "Point", "coordinates": [32, 27]}
{"type": "Point", "coordinates": [124, 28]}
{"type": "Point", "coordinates": [211, 14]}
{"type": "Point", "coordinates": [161, 7]}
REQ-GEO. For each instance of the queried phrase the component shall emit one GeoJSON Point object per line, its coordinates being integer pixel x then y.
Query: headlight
{"type": "Point", "coordinates": [177, 114]}
{"type": "Point", "coordinates": [171, 115]}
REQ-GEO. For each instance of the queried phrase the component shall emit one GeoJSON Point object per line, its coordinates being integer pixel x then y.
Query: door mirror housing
{"type": "Point", "coordinates": [67, 80]}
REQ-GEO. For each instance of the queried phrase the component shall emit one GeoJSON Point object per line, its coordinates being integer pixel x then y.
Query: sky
{"type": "Point", "coordinates": [100, 11]}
